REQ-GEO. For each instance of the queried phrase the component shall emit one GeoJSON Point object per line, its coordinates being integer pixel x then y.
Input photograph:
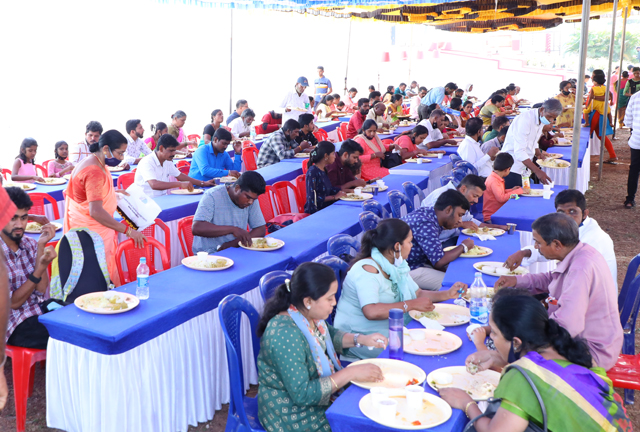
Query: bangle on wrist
{"type": "Point", "coordinates": [466, 409]}
{"type": "Point", "coordinates": [334, 383]}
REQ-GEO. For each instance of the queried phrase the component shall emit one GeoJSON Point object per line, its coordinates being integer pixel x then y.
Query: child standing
{"type": "Point", "coordinates": [496, 196]}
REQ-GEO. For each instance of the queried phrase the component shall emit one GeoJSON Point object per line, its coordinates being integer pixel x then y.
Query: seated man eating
{"type": "Point", "coordinates": [341, 171]}
{"type": "Point", "coordinates": [212, 160]}
{"type": "Point", "coordinates": [582, 296]}
{"type": "Point", "coordinates": [156, 172]}
{"type": "Point", "coordinates": [428, 260]}
{"type": "Point", "coordinates": [27, 261]}
{"type": "Point", "coordinates": [224, 212]}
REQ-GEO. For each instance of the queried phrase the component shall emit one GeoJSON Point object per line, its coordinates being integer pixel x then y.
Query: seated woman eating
{"type": "Point", "coordinates": [576, 395]}
{"type": "Point", "coordinates": [24, 167]}
{"type": "Point", "coordinates": [374, 151]}
{"type": "Point", "coordinates": [409, 143]}
{"type": "Point", "coordinates": [320, 192]}
{"type": "Point", "coordinates": [298, 365]}
{"type": "Point", "coordinates": [378, 281]}
{"type": "Point", "coordinates": [322, 110]}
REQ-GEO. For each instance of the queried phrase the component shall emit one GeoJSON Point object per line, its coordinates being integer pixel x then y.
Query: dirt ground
{"type": "Point", "coordinates": [605, 199]}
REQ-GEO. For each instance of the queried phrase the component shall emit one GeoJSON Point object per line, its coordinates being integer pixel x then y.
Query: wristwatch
{"type": "Point", "coordinates": [465, 248]}
{"type": "Point", "coordinates": [355, 340]}
{"type": "Point", "coordinates": [35, 280]}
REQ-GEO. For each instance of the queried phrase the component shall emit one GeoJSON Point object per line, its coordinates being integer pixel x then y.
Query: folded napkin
{"type": "Point", "coordinates": [431, 324]}
{"type": "Point", "coordinates": [484, 237]}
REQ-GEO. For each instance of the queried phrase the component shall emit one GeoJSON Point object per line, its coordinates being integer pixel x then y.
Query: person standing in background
{"type": "Point", "coordinates": [322, 86]}
{"type": "Point", "coordinates": [91, 136]}
{"type": "Point", "coordinates": [632, 120]}
{"type": "Point", "coordinates": [296, 102]}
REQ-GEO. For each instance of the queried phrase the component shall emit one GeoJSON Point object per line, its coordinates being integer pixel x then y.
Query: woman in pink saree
{"type": "Point", "coordinates": [91, 198]}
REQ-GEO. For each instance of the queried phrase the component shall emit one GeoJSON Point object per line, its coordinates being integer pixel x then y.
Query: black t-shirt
{"type": "Point", "coordinates": [208, 130]}
{"type": "Point", "coordinates": [308, 137]}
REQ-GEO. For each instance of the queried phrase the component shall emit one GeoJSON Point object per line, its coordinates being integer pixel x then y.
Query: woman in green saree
{"type": "Point", "coordinates": [298, 366]}
{"type": "Point", "coordinates": [576, 395]}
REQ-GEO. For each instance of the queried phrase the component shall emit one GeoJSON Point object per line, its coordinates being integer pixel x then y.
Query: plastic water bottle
{"type": "Point", "coordinates": [142, 291]}
{"type": "Point", "coordinates": [479, 310]}
{"type": "Point", "coordinates": [253, 133]}
{"type": "Point", "coordinates": [396, 324]}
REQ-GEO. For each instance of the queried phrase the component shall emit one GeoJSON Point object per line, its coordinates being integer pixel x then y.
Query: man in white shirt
{"type": "Point", "coordinates": [632, 119]}
{"type": "Point", "coordinates": [416, 102]}
{"type": "Point", "coordinates": [241, 127]}
{"type": "Point", "coordinates": [471, 151]}
{"type": "Point", "coordinates": [522, 141]}
{"type": "Point", "coordinates": [573, 203]}
{"type": "Point", "coordinates": [136, 146]}
{"type": "Point", "coordinates": [156, 174]}
{"type": "Point", "coordinates": [377, 114]}
{"type": "Point", "coordinates": [472, 187]}
{"type": "Point", "coordinates": [91, 136]}
{"type": "Point", "coordinates": [295, 102]}
{"type": "Point", "coordinates": [434, 124]}
{"type": "Point", "coordinates": [413, 90]}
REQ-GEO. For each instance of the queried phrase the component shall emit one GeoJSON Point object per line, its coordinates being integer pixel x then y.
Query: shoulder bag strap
{"type": "Point", "coordinates": [535, 390]}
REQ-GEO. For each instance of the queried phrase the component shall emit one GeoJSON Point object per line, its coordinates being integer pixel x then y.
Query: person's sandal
{"type": "Point", "coordinates": [611, 161]}
{"type": "Point", "coordinates": [629, 204]}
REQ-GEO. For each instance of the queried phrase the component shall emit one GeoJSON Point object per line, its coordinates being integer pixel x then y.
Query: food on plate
{"type": "Point", "coordinates": [441, 379]}
{"type": "Point", "coordinates": [25, 186]}
{"type": "Point", "coordinates": [109, 301]}
{"type": "Point", "coordinates": [490, 293]}
{"type": "Point", "coordinates": [481, 388]}
{"type": "Point", "coordinates": [354, 196]}
{"type": "Point", "coordinates": [431, 315]}
{"type": "Point", "coordinates": [499, 270]}
{"type": "Point", "coordinates": [472, 368]}
{"type": "Point", "coordinates": [264, 243]}
{"type": "Point", "coordinates": [412, 381]}
{"type": "Point", "coordinates": [219, 263]}
{"type": "Point", "coordinates": [477, 251]}
{"type": "Point", "coordinates": [228, 179]}
{"type": "Point", "coordinates": [51, 180]}
{"type": "Point", "coordinates": [34, 227]}
{"type": "Point", "coordinates": [554, 163]}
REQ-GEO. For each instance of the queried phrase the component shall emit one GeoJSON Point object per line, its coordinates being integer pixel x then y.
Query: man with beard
{"type": "Point", "coordinates": [91, 136]}
{"type": "Point", "coordinates": [212, 160]}
{"type": "Point", "coordinates": [341, 172]}
{"type": "Point", "coordinates": [27, 262]}
{"type": "Point", "coordinates": [306, 130]}
{"type": "Point", "coordinates": [156, 172]}
{"type": "Point", "coordinates": [282, 145]}
{"type": "Point", "coordinates": [136, 146]}
{"type": "Point", "coordinates": [225, 212]}
{"type": "Point", "coordinates": [573, 203]}
{"type": "Point", "coordinates": [377, 114]}
{"type": "Point", "coordinates": [427, 260]}
{"type": "Point", "coordinates": [358, 118]}
{"type": "Point", "coordinates": [434, 124]}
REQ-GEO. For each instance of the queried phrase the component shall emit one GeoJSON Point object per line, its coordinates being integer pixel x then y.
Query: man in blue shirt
{"type": "Point", "coordinates": [212, 160]}
{"type": "Point", "coordinates": [322, 86]}
{"type": "Point", "coordinates": [241, 105]}
{"type": "Point", "coordinates": [436, 94]}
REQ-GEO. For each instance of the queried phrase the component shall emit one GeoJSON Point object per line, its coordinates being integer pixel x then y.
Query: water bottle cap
{"type": "Point", "coordinates": [478, 274]}
{"type": "Point", "coordinates": [396, 314]}
{"type": "Point", "coordinates": [143, 260]}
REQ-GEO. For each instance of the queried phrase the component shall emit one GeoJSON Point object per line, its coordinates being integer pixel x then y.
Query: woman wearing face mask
{"type": "Point", "coordinates": [320, 192]}
{"type": "Point", "coordinates": [91, 199]}
{"type": "Point", "coordinates": [298, 366]}
{"type": "Point", "coordinates": [568, 101]}
{"type": "Point", "coordinates": [576, 395]}
{"type": "Point", "coordinates": [378, 281]}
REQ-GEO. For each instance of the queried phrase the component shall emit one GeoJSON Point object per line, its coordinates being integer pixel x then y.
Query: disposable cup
{"type": "Point", "coordinates": [387, 410]}
{"type": "Point", "coordinates": [202, 256]}
{"type": "Point", "coordinates": [378, 394]}
{"type": "Point", "coordinates": [358, 191]}
{"type": "Point", "coordinates": [414, 393]}
{"type": "Point", "coordinates": [420, 161]}
{"type": "Point", "coordinates": [440, 155]}
{"type": "Point", "coordinates": [380, 183]}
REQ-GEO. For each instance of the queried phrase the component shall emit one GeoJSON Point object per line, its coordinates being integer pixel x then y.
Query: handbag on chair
{"type": "Point", "coordinates": [494, 404]}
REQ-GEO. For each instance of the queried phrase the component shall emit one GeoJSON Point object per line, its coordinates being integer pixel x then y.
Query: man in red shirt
{"type": "Point", "coordinates": [357, 120]}
{"type": "Point", "coordinates": [271, 122]}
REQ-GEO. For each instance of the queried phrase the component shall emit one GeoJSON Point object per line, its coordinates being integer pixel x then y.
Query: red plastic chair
{"type": "Point", "coordinates": [42, 171]}
{"type": "Point", "coordinates": [193, 137]}
{"type": "Point", "coordinates": [268, 203]}
{"type": "Point", "coordinates": [321, 135]}
{"type": "Point", "coordinates": [305, 167]}
{"type": "Point", "coordinates": [249, 158]}
{"type": "Point", "coordinates": [53, 244]}
{"type": "Point", "coordinates": [46, 164]}
{"type": "Point", "coordinates": [301, 186]}
{"type": "Point", "coordinates": [342, 131]}
{"type": "Point", "coordinates": [125, 180]}
{"type": "Point", "coordinates": [283, 190]}
{"type": "Point", "coordinates": [185, 235]}
{"type": "Point", "coordinates": [183, 163]}
{"type": "Point", "coordinates": [23, 361]}
{"type": "Point", "coordinates": [6, 173]}
{"type": "Point", "coordinates": [132, 257]}
{"type": "Point", "coordinates": [626, 372]}
{"type": "Point", "coordinates": [184, 169]}
{"type": "Point", "coordinates": [150, 231]}
{"type": "Point", "coordinates": [38, 199]}
{"type": "Point", "coordinates": [247, 143]}
{"type": "Point", "coordinates": [387, 141]}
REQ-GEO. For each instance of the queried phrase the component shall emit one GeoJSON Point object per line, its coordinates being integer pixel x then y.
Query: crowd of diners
{"type": "Point", "coordinates": [560, 326]}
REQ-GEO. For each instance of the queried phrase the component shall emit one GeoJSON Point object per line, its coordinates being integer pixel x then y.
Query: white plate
{"type": "Point", "coordinates": [467, 382]}
{"type": "Point", "coordinates": [397, 373]}
{"type": "Point", "coordinates": [180, 156]}
{"type": "Point", "coordinates": [435, 342]}
{"type": "Point", "coordinates": [228, 179]}
{"type": "Point", "coordinates": [554, 156]}
{"type": "Point", "coordinates": [82, 302]}
{"type": "Point", "coordinates": [535, 193]}
{"type": "Point", "coordinates": [450, 314]}
{"type": "Point", "coordinates": [24, 186]}
{"type": "Point", "coordinates": [545, 163]}
{"type": "Point", "coordinates": [496, 232]}
{"type": "Point", "coordinates": [268, 249]}
{"type": "Point", "coordinates": [57, 225]}
{"type": "Point", "coordinates": [487, 251]}
{"type": "Point", "coordinates": [302, 155]}
{"type": "Point", "coordinates": [186, 192]}
{"type": "Point", "coordinates": [415, 160]}
{"type": "Point", "coordinates": [434, 412]}
{"type": "Point", "coordinates": [478, 266]}
{"type": "Point", "coordinates": [371, 187]}
{"type": "Point", "coordinates": [52, 181]}
{"type": "Point", "coordinates": [115, 168]}
{"type": "Point", "coordinates": [365, 196]}
{"type": "Point", "coordinates": [190, 262]}
{"type": "Point", "coordinates": [67, 176]}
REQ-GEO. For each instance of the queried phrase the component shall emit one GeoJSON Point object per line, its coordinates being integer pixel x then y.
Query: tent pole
{"type": "Point", "coordinates": [603, 130]}
{"type": "Point", "coordinates": [346, 72]}
{"type": "Point", "coordinates": [577, 115]}
{"type": "Point", "coordinates": [231, 64]}
{"type": "Point", "coordinates": [624, 34]}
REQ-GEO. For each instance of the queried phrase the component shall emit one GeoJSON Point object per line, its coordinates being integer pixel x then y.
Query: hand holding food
{"type": "Point", "coordinates": [237, 147]}
{"type": "Point", "coordinates": [37, 178]}
{"type": "Point", "coordinates": [458, 288]}
{"type": "Point", "coordinates": [48, 255]}
{"type": "Point", "coordinates": [421, 304]}
{"type": "Point", "coordinates": [186, 185]}
{"type": "Point", "coordinates": [340, 194]}
{"type": "Point", "coordinates": [234, 173]}
{"type": "Point", "coordinates": [455, 397]}
{"type": "Point", "coordinates": [46, 234]}
{"type": "Point", "coordinates": [480, 361]}
{"type": "Point", "coordinates": [366, 373]}
{"type": "Point", "coordinates": [375, 340]}
{"type": "Point", "coordinates": [468, 243]}
{"type": "Point", "coordinates": [506, 282]}
{"type": "Point", "coordinates": [514, 261]}
{"type": "Point", "coordinates": [243, 236]}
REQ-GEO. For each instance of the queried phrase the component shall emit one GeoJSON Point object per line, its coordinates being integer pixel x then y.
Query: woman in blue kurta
{"type": "Point", "coordinates": [298, 365]}
{"type": "Point", "coordinates": [320, 192]}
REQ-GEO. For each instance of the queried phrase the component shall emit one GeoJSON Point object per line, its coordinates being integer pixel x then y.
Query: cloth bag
{"type": "Point", "coordinates": [137, 209]}
{"type": "Point", "coordinates": [494, 404]}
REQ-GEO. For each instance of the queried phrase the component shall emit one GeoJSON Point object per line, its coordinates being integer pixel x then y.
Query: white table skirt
{"type": "Point", "coordinates": [526, 239]}
{"type": "Point", "coordinates": [166, 384]}
{"type": "Point", "coordinates": [560, 176]}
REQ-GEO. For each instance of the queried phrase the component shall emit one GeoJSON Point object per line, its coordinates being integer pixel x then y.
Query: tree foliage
{"type": "Point", "coordinates": [598, 45]}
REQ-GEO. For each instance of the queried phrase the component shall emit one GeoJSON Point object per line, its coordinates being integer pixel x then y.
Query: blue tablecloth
{"type": "Point", "coordinates": [394, 182]}
{"type": "Point", "coordinates": [566, 151]}
{"type": "Point", "coordinates": [431, 166]}
{"type": "Point", "coordinates": [345, 415]}
{"type": "Point", "coordinates": [525, 210]}
{"type": "Point", "coordinates": [461, 269]}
